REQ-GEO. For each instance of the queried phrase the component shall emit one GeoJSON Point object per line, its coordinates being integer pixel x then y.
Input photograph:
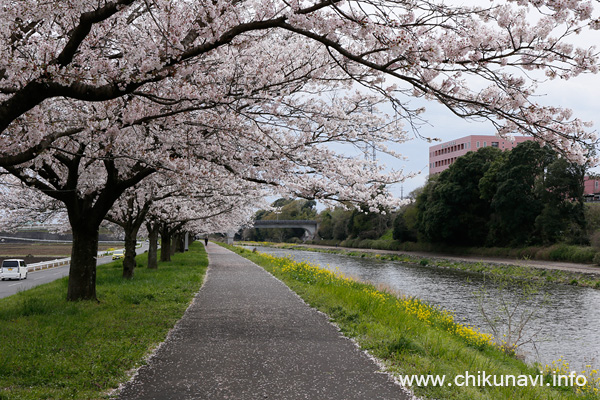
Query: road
{"type": "Point", "coordinates": [35, 278]}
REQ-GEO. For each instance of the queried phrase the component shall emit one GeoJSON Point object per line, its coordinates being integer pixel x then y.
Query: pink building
{"type": "Point", "coordinates": [441, 156]}
{"type": "Point", "coordinates": [591, 186]}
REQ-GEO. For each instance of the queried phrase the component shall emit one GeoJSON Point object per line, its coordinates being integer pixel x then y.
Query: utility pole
{"type": "Point", "coordinates": [370, 152]}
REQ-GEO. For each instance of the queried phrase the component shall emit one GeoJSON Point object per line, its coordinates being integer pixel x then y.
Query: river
{"type": "Point", "coordinates": [567, 322]}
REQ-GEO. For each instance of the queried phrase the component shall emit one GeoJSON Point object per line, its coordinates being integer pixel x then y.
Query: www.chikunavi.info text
{"type": "Point", "coordinates": [482, 379]}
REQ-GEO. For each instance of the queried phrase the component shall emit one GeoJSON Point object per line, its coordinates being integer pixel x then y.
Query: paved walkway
{"type": "Point", "coordinates": [247, 336]}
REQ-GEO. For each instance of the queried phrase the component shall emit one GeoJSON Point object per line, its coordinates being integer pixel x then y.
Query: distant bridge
{"type": "Point", "coordinates": [310, 227]}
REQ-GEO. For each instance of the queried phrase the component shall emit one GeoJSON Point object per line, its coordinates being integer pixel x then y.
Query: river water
{"type": "Point", "coordinates": [567, 321]}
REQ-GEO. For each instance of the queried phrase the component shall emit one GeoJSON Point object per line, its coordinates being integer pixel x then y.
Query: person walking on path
{"type": "Point", "coordinates": [205, 240]}
{"type": "Point", "coordinates": [247, 336]}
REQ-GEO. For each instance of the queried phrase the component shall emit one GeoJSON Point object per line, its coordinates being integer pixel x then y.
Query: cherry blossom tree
{"type": "Point", "coordinates": [273, 143]}
{"type": "Point", "coordinates": [201, 215]}
{"type": "Point", "coordinates": [179, 201]}
{"type": "Point", "coordinates": [71, 178]}
{"type": "Point", "coordinates": [129, 212]}
{"type": "Point", "coordinates": [97, 96]}
{"type": "Point", "coordinates": [98, 51]}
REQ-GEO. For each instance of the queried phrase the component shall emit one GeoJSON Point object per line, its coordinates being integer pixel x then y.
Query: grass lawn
{"type": "Point", "coordinates": [54, 349]}
{"type": "Point", "coordinates": [414, 338]}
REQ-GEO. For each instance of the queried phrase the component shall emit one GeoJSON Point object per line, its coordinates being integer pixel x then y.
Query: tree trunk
{"type": "Point", "coordinates": [165, 244]}
{"type": "Point", "coordinates": [130, 244]}
{"type": "Point", "coordinates": [180, 247]}
{"type": "Point", "coordinates": [174, 243]}
{"type": "Point", "coordinates": [82, 272]}
{"type": "Point", "coordinates": [152, 245]}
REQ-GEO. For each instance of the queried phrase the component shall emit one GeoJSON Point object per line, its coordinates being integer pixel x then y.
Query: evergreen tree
{"type": "Point", "coordinates": [525, 196]}
{"type": "Point", "coordinates": [451, 209]}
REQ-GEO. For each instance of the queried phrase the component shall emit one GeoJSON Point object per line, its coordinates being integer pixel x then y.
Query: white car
{"type": "Point", "coordinates": [14, 269]}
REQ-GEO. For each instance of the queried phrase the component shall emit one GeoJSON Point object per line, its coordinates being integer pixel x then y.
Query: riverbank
{"type": "Point", "coordinates": [413, 338]}
{"type": "Point", "coordinates": [551, 272]}
{"type": "Point", "coordinates": [54, 349]}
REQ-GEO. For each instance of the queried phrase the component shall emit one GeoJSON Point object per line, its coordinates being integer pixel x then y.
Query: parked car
{"type": "Point", "coordinates": [14, 269]}
{"type": "Point", "coordinates": [117, 255]}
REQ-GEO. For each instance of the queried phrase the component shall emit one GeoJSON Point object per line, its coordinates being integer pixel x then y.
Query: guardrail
{"type": "Point", "coordinates": [63, 261]}
{"type": "Point", "coordinates": [48, 264]}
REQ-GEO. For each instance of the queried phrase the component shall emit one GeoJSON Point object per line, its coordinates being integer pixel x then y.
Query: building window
{"type": "Point", "coordinates": [477, 144]}
{"type": "Point", "coordinates": [484, 144]}
{"type": "Point", "coordinates": [596, 184]}
{"type": "Point", "coordinates": [495, 144]}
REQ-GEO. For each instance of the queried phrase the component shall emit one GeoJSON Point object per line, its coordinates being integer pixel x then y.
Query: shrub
{"type": "Point", "coordinates": [386, 245]}
{"type": "Point", "coordinates": [560, 252]}
{"type": "Point", "coordinates": [595, 240]}
{"type": "Point", "coordinates": [564, 252]}
{"type": "Point", "coordinates": [366, 244]}
{"type": "Point", "coordinates": [584, 255]}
